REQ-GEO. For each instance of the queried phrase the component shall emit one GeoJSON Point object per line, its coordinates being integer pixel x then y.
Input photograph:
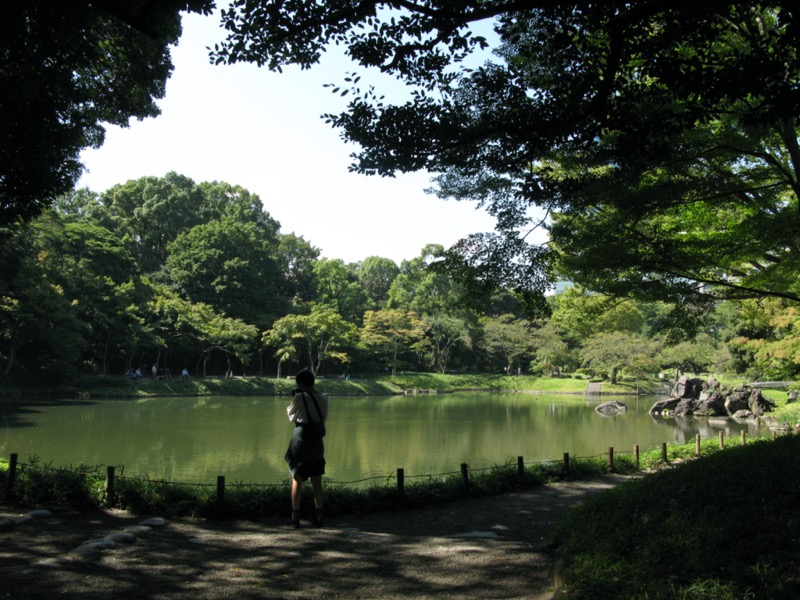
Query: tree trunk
{"type": "Point", "coordinates": [12, 354]}
{"type": "Point", "coordinates": [613, 375]}
{"type": "Point", "coordinates": [105, 354]}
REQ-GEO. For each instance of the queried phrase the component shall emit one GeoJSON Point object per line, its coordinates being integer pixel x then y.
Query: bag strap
{"type": "Point", "coordinates": [314, 400]}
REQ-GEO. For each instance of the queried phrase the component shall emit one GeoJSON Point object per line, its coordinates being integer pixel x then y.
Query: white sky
{"type": "Point", "coordinates": [262, 130]}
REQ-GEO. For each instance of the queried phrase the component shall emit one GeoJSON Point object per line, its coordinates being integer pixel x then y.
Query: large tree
{"type": "Point", "coordinates": [337, 286]}
{"type": "Point", "coordinates": [312, 338]}
{"type": "Point", "coordinates": [231, 266]}
{"type": "Point", "coordinates": [662, 135]}
{"type": "Point", "coordinates": [66, 68]}
{"type": "Point", "coordinates": [390, 332]}
{"type": "Point", "coordinates": [376, 274]}
{"type": "Point", "coordinates": [615, 350]}
{"type": "Point", "coordinates": [149, 213]}
{"type": "Point", "coordinates": [41, 335]}
{"type": "Point", "coordinates": [508, 338]}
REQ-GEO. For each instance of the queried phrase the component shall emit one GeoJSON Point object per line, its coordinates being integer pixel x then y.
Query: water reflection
{"type": "Point", "coordinates": [196, 439]}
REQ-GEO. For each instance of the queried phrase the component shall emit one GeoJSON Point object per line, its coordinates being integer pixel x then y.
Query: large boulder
{"type": "Point", "coordinates": [709, 405]}
{"type": "Point", "coordinates": [611, 408]}
{"type": "Point", "coordinates": [664, 406]}
{"type": "Point", "coordinates": [693, 396]}
{"type": "Point", "coordinates": [687, 387]}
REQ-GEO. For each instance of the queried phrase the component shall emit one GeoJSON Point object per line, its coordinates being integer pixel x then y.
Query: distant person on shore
{"type": "Point", "coordinates": [306, 454]}
{"type": "Point", "coordinates": [185, 374]}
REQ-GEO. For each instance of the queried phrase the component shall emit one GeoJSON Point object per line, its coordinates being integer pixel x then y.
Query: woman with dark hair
{"type": "Point", "coordinates": [306, 454]}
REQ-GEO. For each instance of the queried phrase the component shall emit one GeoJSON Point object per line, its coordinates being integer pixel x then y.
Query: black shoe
{"type": "Point", "coordinates": [296, 519]}
{"type": "Point", "coordinates": [318, 519]}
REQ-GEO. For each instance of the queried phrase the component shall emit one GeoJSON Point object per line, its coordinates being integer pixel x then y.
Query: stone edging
{"type": "Point", "coordinates": [90, 548]}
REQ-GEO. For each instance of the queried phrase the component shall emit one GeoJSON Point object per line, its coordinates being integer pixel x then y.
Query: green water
{"type": "Point", "coordinates": [194, 440]}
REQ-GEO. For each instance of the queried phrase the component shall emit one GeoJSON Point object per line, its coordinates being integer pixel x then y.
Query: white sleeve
{"type": "Point", "coordinates": [295, 410]}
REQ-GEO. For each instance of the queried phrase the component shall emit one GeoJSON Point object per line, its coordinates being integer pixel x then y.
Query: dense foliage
{"type": "Point", "coordinates": [178, 274]}
{"type": "Point", "coordinates": [66, 68]}
{"type": "Point", "coordinates": [659, 139]}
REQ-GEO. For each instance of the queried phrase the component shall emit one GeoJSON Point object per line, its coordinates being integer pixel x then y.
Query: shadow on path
{"type": "Point", "coordinates": [490, 547]}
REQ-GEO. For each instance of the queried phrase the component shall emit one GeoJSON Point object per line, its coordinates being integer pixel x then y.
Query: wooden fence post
{"type": "Point", "coordinates": [11, 480]}
{"type": "Point", "coordinates": [401, 481]}
{"type": "Point", "coordinates": [465, 475]}
{"type": "Point", "coordinates": [636, 456]}
{"type": "Point", "coordinates": [721, 440]}
{"type": "Point", "coordinates": [566, 462]}
{"type": "Point", "coordinates": [611, 458]}
{"type": "Point", "coordinates": [697, 445]}
{"type": "Point", "coordinates": [664, 451]}
{"type": "Point", "coordinates": [220, 488]}
{"type": "Point", "coordinates": [111, 495]}
{"type": "Point", "coordinates": [744, 437]}
{"type": "Point", "coordinates": [520, 466]}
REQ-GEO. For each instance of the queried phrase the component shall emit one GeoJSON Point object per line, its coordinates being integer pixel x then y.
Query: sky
{"type": "Point", "coordinates": [262, 130]}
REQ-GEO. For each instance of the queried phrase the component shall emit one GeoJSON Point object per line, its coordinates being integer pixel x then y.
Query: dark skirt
{"type": "Point", "coordinates": [306, 455]}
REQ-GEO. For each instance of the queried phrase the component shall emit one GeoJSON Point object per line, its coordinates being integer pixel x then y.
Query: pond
{"type": "Point", "coordinates": [193, 440]}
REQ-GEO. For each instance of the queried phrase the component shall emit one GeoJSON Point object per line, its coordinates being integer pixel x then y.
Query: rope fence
{"type": "Point", "coordinates": [399, 478]}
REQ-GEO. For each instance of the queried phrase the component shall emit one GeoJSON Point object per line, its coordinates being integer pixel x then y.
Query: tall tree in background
{"type": "Point", "coordinates": [313, 338]}
{"type": "Point", "coordinates": [230, 266]}
{"type": "Point", "coordinates": [376, 274]}
{"type": "Point", "coordinates": [508, 338]}
{"type": "Point", "coordinates": [297, 258]}
{"type": "Point", "coordinates": [87, 262]}
{"type": "Point", "coordinates": [551, 350]}
{"type": "Point", "coordinates": [40, 333]}
{"type": "Point", "coordinates": [337, 286]}
{"type": "Point", "coordinates": [423, 289]}
{"type": "Point", "coordinates": [444, 334]}
{"type": "Point", "coordinates": [391, 332]}
{"type": "Point", "coordinates": [660, 136]}
{"type": "Point", "coordinates": [65, 69]}
{"type": "Point", "coordinates": [611, 351]}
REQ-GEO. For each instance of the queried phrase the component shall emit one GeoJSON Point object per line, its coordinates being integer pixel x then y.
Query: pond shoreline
{"type": "Point", "coordinates": [404, 384]}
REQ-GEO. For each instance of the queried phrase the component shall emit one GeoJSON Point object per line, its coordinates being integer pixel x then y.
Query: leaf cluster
{"type": "Point", "coordinates": [68, 68]}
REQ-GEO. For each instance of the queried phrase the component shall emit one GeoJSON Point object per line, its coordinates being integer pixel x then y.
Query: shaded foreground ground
{"type": "Point", "coordinates": [489, 547]}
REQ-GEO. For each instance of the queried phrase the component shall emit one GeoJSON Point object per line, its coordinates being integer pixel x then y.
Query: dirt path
{"type": "Point", "coordinates": [473, 549]}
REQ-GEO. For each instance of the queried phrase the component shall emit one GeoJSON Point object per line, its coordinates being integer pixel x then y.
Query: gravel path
{"type": "Point", "coordinates": [473, 549]}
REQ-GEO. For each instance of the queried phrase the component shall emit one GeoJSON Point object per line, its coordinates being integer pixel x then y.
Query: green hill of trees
{"type": "Point", "coordinates": [178, 274]}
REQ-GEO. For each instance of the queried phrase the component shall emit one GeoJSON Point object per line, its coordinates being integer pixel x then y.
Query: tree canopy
{"type": "Point", "coordinates": [89, 290]}
{"type": "Point", "coordinates": [66, 68]}
{"type": "Point", "coordinates": [659, 138]}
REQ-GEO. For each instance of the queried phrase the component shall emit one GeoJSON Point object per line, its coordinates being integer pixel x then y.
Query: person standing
{"type": "Point", "coordinates": [306, 454]}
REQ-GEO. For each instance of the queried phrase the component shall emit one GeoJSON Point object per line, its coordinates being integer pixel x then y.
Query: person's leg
{"type": "Point", "coordinates": [297, 485]}
{"type": "Point", "coordinates": [319, 499]}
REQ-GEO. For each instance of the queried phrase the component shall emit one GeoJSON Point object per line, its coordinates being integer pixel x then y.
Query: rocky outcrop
{"type": "Point", "coordinates": [693, 396]}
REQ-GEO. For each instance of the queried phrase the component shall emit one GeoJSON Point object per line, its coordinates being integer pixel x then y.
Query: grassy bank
{"type": "Point", "coordinates": [403, 383]}
{"type": "Point", "coordinates": [722, 527]}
